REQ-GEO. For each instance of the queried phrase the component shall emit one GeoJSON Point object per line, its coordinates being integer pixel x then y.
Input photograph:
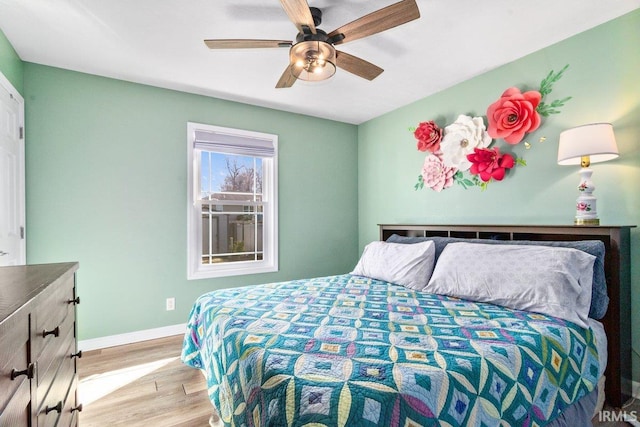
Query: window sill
{"type": "Point", "coordinates": [211, 272]}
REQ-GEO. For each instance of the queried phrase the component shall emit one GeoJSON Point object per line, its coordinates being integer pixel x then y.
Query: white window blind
{"type": "Point", "coordinates": [250, 145]}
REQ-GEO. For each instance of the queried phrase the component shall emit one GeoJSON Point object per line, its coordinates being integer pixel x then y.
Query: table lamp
{"type": "Point", "coordinates": [583, 145]}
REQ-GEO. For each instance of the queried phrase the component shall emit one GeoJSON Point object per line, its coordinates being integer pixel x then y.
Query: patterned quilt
{"type": "Point", "coordinates": [351, 351]}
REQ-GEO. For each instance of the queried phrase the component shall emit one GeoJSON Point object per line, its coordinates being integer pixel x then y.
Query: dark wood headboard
{"type": "Point", "coordinates": [617, 321]}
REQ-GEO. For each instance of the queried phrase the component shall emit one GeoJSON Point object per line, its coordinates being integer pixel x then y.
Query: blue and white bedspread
{"type": "Point", "coordinates": [350, 351]}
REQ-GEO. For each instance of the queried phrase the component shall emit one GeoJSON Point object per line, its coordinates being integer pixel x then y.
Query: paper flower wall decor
{"type": "Point", "coordinates": [465, 151]}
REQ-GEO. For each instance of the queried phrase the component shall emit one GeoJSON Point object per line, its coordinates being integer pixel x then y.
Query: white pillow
{"type": "Point", "coordinates": [406, 265]}
{"type": "Point", "coordinates": [549, 280]}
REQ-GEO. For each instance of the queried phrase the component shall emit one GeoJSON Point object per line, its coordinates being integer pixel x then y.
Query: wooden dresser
{"type": "Point", "coordinates": [38, 346]}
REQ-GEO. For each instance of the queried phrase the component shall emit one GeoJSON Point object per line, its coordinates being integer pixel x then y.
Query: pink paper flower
{"type": "Point", "coordinates": [428, 135]}
{"type": "Point", "coordinates": [514, 114]}
{"type": "Point", "coordinates": [488, 163]}
{"type": "Point", "coordinates": [435, 174]}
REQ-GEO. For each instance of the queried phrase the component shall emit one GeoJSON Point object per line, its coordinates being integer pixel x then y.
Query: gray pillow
{"type": "Point", "coordinates": [538, 279]}
{"type": "Point", "coordinates": [407, 265]}
{"type": "Point", "coordinates": [599, 297]}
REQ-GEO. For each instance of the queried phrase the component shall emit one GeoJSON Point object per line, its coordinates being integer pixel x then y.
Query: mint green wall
{"type": "Point", "coordinates": [603, 81]}
{"type": "Point", "coordinates": [106, 186]}
{"type": "Point", "coordinates": [10, 64]}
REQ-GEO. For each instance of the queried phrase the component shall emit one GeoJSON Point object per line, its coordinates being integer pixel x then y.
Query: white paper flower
{"type": "Point", "coordinates": [460, 138]}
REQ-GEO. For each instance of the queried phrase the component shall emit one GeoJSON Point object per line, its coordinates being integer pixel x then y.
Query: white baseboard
{"type": "Point", "coordinates": [131, 337]}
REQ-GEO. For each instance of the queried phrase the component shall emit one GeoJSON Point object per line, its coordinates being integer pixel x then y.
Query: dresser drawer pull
{"type": "Point", "coordinates": [74, 301]}
{"type": "Point", "coordinates": [55, 332]}
{"type": "Point", "coordinates": [78, 355]}
{"type": "Point", "coordinates": [57, 408]}
{"type": "Point", "coordinates": [77, 408]}
{"type": "Point", "coordinates": [28, 372]}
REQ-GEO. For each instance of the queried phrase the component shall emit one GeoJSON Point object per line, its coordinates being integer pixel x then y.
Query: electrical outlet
{"type": "Point", "coordinates": [171, 304]}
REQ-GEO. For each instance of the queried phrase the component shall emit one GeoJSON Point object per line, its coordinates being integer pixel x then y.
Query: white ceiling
{"type": "Point", "coordinates": [160, 43]}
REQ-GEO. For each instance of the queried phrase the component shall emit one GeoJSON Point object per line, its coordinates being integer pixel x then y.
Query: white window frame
{"type": "Point", "coordinates": [242, 142]}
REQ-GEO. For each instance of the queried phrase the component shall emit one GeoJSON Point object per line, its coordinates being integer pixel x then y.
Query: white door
{"type": "Point", "coordinates": [12, 213]}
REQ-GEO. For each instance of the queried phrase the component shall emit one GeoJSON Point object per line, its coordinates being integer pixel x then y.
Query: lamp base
{"type": "Point", "coordinates": [586, 211]}
{"type": "Point", "coordinates": [583, 221]}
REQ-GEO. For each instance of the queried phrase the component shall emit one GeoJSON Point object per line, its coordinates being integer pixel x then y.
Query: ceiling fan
{"type": "Point", "coordinates": [313, 56]}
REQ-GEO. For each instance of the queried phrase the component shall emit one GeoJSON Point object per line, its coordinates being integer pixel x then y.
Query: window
{"type": "Point", "coordinates": [232, 206]}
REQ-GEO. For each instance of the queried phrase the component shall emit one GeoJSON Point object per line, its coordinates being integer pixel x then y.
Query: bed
{"type": "Point", "coordinates": [379, 347]}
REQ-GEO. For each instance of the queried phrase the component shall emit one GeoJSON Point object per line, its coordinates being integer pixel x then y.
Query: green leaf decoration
{"type": "Point", "coordinates": [546, 110]}
{"type": "Point", "coordinates": [420, 184]}
{"type": "Point", "coordinates": [460, 179]}
{"type": "Point", "coordinates": [520, 161]}
{"type": "Point", "coordinates": [546, 87]}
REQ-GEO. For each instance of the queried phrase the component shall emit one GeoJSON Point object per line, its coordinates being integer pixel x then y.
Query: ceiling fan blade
{"type": "Point", "coordinates": [287, 79]}
{"type": "Point", "coordinates": [378, 21]}
{"type": "Point", "coordinates": [299, 13]}
{"type": "Point", "coordinates": [357, 66]}
{"type": "Point", "coordinates": [245, 43]}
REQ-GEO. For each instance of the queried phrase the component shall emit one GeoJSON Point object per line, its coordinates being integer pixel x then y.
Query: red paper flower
{"type": "Point", "coordinates": [513, 115]}
{"type": "Point", "coordinates": [428, 135]}
{"type": "Point", "coordinates": [488, 163]}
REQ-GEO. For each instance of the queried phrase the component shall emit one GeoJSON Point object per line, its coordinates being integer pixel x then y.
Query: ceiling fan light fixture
{"type": "Point", "coordinates": [313, 60]}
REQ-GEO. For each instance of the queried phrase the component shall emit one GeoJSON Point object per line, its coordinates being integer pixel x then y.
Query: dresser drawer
{"type": "Point", "coordinates": [59, 399]}
{"type": "Point", "coordinates": [53, 355]}
{"type": "Point", "coordinates": [53, 307]}
{"type": "Point", "coordinates": [69, 415]}
{"type": "Point", "coordinates": [18, 412]}
{"type": "Point", "coordinates": [14, 355]}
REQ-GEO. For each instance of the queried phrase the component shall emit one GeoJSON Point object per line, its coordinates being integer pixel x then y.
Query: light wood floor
{"type": "Point", "coordinates": [156, 389]}
{"type": "Point", "coordinates": [142, 384]}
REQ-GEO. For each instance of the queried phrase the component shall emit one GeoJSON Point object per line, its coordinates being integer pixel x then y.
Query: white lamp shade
{"type": "Point", "coordinates": [595, 140]}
